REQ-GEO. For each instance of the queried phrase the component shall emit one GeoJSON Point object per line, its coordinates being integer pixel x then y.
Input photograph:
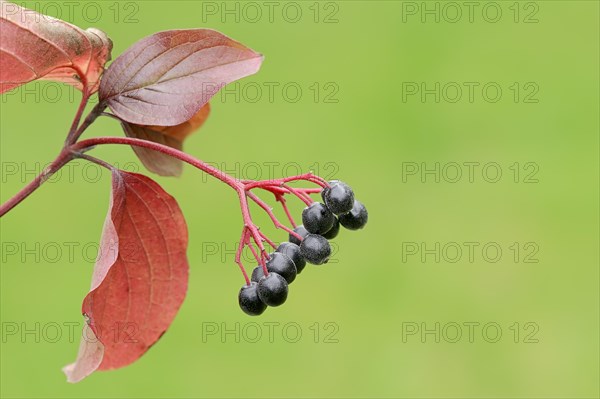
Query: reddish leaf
{"type": "Point", "coordinates": [172, 136]}
{"type": "Point", "coordinates": [89, 357]}
{"type": "Point", "coordinates": [35, 46]}
{"type": "Point", "coordinates": [165, 78]}
{"type": "Point", "coordinates": [140, 277]}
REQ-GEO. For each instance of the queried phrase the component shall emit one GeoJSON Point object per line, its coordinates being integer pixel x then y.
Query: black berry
{"type": "Point", "coordinates": [293, 252]}
{"type": "Point", "coordinates": [333, 231]}
{"type": "Point", "coordinates": [317, 218]}
{"type": "Point", "coordinates": [315, 249]}
{"type": "Point", "coordinates": [282, 264]}
{"type": "Point", "coordinates": [249, 300]}
{"type": "Point", "coordinates": [355, 219]}
{"type": "Point", "coordinates": [301, 231]}
{"type": "Point", "coordinates": [339, 197]}
{"type": "Point", "coordinates": [273, 289]}
{"type": "Point", "coordinates": [325, 190]}
{"type": "Point", "coordinates": [257, 273]}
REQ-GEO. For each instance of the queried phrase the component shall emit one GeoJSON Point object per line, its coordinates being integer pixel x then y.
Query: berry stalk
{"type": "Point", "coordinates": [279, 198]}
{"type": "Point", "coordinates": [238, 255]}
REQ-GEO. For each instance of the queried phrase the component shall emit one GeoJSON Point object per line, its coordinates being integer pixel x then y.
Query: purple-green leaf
{"type": "Point", "coordinates": [165, 78]}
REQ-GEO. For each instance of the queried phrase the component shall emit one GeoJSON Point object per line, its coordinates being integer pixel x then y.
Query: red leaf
{"type": "Point", "coordinates": [172, 136]}
{"type": "Point", "coordinates": [164, 79]}
{"type": "Point", "coordinates": [35, 46]}
{"type": "Point", "coordinates": [140, 277]}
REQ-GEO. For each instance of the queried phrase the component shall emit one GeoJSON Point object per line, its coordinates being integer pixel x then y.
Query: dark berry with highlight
{"type": "Point", "coordinates": [257, 273]}
{"type": "Point", "coordinates": [317, 218]}
{"type": "Point", "coordinates": [333, 231]}
{"type": "Point", "coordinates": [298, 230]}
{"type": "Point", "coordinates": [283, 265]}
{"type": "Point", "coordinates": [293, 252]}
{"type": "Point", "coordinates": [315, 249]}
{"type": "Point", "coordinates": [273, 289]}
{"type": "Point", "coordinates": [249, 301]}
{"type": "Point", "coordinates": [357, 218]}
{"type": "Point", "coordinates": [338, 197]}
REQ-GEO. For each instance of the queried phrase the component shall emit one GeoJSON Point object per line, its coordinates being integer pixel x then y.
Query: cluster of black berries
{"type": "Point", "coordinates": [321, 222]}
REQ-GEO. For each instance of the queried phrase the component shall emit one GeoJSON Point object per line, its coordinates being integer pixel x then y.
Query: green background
{"type": "Point", "coordinates": [375, 290]}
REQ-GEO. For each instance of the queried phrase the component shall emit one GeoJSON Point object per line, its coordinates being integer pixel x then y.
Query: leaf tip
{"type": "Point", "coordinates": [89, 358]}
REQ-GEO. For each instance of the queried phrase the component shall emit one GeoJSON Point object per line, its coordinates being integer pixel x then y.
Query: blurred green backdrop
{"type": "Point", "coordinates": [390, 294]}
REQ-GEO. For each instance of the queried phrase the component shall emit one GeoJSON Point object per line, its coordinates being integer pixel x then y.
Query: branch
{"type": "Point", "coordinates": [88, 144]}
{"type": "Point", "coordinates": [238, 254]}
{"type": "Point", "coordinates": [63, 158]}
{"type": "Point", "coordinates": [276, 221]}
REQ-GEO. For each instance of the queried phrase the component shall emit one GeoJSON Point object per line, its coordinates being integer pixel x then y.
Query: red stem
{"type": "Point", "coordinates": [95, 160]}
{"type": "Point", "coordinates": [303, 197]}
{"type": "Point", "coordinates": [88, 144]}
{"type": "Point", "coordinates": [267, 209]}
{"type": "Point", "coordinates": [259, 259]}
{"type": "Point", "coordinates": [84, 100]}
{"type": "Point", "coordinates": [277, 189]}
{"type": "Point", "coordinates": [271, 243]}
{"type": "Point", "coordinates": [76, 132]}
{"type": "Point", "coordinates": [63, 158]}
{"type": "Point", "coordinates": [279, 182]}
{"type": "Point", "coordinates": [238, 255]}
{"type": "Point", "coordinates": [281, 199]}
